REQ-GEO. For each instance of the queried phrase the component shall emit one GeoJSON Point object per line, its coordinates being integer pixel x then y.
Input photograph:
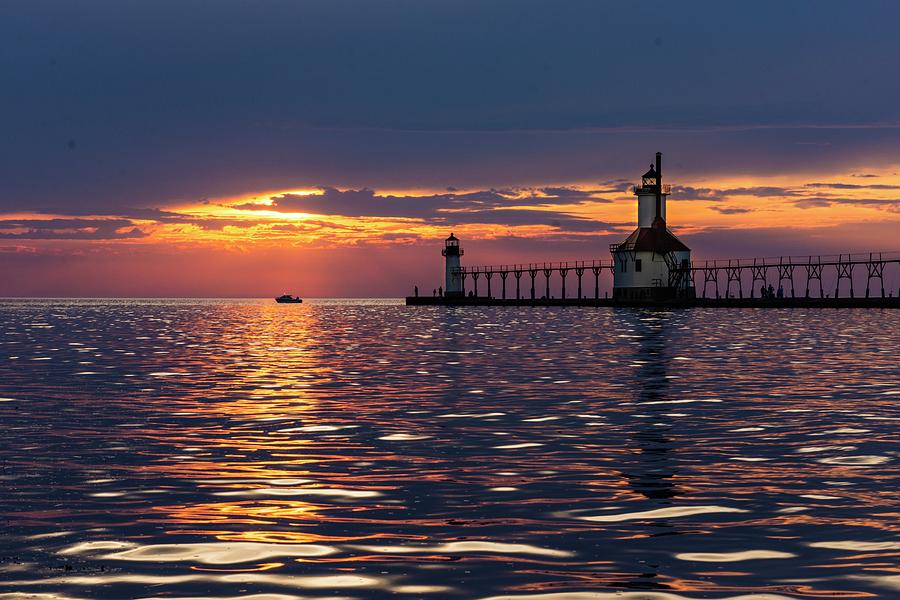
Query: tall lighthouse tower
{"type": "Point", "coordinates": [651, 264]}
{"type": "Point", "coordinates": [453, 285]}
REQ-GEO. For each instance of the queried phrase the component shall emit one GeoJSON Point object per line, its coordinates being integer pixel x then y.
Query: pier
{"type": "Point", "coordinates": [806, 281]}
{"type": "Point", "coordinates": [652, 267]}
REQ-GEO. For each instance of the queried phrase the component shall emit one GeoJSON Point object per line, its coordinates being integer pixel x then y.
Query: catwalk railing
{"type": "Point", "coordinates": [730, 273]}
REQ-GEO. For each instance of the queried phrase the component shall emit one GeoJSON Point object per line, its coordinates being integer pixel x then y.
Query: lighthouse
{"type": "Point", "coordinates": [651, 264]}
{"type": "Point", "coordinates": [453, 285]}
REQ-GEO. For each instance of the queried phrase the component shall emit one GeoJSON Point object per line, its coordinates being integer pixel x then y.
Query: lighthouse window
{"type": "Point", "coordinates": [637, 265]}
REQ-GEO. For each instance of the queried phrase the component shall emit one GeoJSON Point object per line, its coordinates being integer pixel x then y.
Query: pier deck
{"type": "Point", "coordinates": [729, 283]}
{"type": "Point", "coordinates": [686, 303]}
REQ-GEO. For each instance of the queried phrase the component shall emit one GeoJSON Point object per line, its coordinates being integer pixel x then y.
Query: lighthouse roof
{"type": "Point", "coordinates": [653, 239]}
{"type": "Point", "coordinates": [452, 238]}
{"type": "Point", "coordinates": [650, 173]}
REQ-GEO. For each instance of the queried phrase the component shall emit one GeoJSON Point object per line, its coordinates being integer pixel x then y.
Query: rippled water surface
{"type": "Point", "coordinates": [198, 449]}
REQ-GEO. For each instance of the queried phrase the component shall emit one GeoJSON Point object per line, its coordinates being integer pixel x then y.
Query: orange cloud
{"type": "Point", "coordinates": [331, 236]}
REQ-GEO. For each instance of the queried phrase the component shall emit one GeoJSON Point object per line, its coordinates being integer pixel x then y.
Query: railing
{"type": "Point", "coordinates": [699, 265]}
{"type": "Point", "coordinates": [640, 189]}
{"type": "Point", "coordinates": [686, 275]}
{"type": "Point", "coordinates": [524, 267]}
{"type": "Point", "coordinates": [799, 260]}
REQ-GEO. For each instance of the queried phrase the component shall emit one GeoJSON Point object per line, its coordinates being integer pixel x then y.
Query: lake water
{"type": "Point", "coordinates": [364, 449]}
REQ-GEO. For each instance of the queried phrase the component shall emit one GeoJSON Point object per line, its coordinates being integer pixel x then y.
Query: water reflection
{"type": "Point", "coordinates": [653, 472]}
{"type": "Point", "coordinates": [244, 449]}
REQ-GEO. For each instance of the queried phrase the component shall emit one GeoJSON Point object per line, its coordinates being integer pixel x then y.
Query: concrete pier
{"type": "Point", "coordinates": [729, 283]}
{"type": "Point", "coordinates": [876, 302]}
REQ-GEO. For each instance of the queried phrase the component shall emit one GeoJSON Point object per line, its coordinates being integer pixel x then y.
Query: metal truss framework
{"type": "Point", "coordinates": [733, 271]}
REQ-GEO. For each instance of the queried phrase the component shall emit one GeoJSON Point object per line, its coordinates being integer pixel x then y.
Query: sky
{"type": "Point", "coordinates": [232, 148]}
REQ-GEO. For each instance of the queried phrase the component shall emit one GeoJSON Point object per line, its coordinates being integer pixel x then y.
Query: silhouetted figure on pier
{"type": "Point", "coordinates": [416, 290]}
{"type": "Point", "coordinates": [441, 291]}
{"type": "Point", "coordinates": [780, 291]}
{"type": "Point", "coordinates": [771, 291]}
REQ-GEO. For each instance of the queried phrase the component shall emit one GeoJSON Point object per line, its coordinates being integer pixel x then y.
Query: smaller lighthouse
{"type": "Point", "coordinates": [453, 285]}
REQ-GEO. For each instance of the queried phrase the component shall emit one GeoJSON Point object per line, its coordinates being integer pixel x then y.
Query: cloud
{"type": "Point", "coordinates": [367, 203]}
{"type": "Point", "coordinates": [812, 203]}
{"type": "Point", "coordinates": [810, 195]}
{"type": "Point", "coordinates": [731, 210]}
{"type": "Point", "coordinates": [313, 225]}
{"type": "Point", "coordinates": [681, 192]}
{"type": "Point", "coordinates": [69, 229]}
{"type": "Point", "coordinates": [128, 120]}
{"type": "Point", "coordinates": [734, 242]}
{"type": "Point", "coordinates": [891, 204]}
{"type": "Point", "coordinates": [568, 195]}
{"type": "Point", "coordinates": [497, 207]}
{"type": "Point", "coordinates": [853, 186]}
{"type": "Point", "coordinates": [521, 217]}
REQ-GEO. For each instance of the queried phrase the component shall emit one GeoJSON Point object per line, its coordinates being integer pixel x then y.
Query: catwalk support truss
{"type": "Point", "coordinates": [712, 275]}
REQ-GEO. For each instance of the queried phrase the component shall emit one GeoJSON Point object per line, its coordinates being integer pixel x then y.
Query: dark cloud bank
{"type": "Point", "coordinates": [112, 105]}
{"type": "Point", "coordinates": [482, 207]}
{"type": "Point", "coordinates": [69, 229]}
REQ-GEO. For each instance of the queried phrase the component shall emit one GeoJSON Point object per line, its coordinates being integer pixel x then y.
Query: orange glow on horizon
{"type": "Point", "coordinates": [228, 223]}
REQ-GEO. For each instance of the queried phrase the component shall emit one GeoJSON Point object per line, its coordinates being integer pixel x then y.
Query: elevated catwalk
{"type": "Point", "coordinates": [713, 283]}
{"type": "Point", "coordinates": [876, 302]}
{"type": "Point", "coordinates": [652, 267]}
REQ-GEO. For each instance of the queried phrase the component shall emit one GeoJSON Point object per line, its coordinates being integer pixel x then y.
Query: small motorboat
{"type": "Point", "coordinates": [288, 299]}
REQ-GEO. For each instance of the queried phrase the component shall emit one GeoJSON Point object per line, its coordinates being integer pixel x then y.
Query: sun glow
{"type": "Point", "coordinates": [405, 216]}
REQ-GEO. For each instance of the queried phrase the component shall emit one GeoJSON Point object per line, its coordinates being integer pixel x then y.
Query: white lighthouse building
{"type": "Point", "coordinates": [651, 264]}
{"type": "Point", "coordinates": [453, 283]}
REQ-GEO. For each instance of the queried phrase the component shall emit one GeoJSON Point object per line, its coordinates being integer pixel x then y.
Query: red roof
{"type": "Point", "coordinates": [652, 239]}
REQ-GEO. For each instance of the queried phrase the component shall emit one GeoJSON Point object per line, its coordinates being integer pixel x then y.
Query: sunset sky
{"type": "Point", "coordinates": [327, 148]}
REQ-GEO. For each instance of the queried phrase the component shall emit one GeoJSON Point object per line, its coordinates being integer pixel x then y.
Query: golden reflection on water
{"type": "Point", "coordinates": [375, 450]}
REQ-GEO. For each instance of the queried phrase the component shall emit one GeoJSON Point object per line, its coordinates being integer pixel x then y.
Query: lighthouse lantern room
{"type": "Point", "coordinates": [452, 279]}
{"type": "Point", "coordinates": [651, 264]}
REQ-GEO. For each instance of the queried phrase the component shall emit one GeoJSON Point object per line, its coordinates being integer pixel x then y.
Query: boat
{"type": "Point", "coordinates": [288, 299]}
